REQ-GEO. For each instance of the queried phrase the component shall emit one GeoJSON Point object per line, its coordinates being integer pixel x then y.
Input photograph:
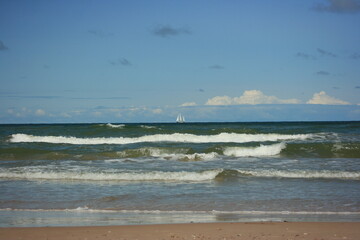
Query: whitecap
{"type": "Point", "coordinates": [115, 125]}
{"type": "Point", "coordinates": [262, 150]}
{"type": "Point", "coordinates": [148, 127]}
{"type": "Point", "coordinates": [325, 174]}
{"type": "Point", "coordinates": [115, 176]}
{"type": "Point", "coordinates": [175, 137]}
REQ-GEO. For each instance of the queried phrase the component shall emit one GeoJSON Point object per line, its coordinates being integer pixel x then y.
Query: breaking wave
{"type": "Point", "coordinates": [148, 127]}
{"type": "Point", "coordinates": [325, 174]}
{"type": "Point", "coordinates": [115, 125]}
{"type": "Point", "coordinates": [120, 176]}
{"type": "Point", "coordinates": [179, 176]}
{"type": "Point", "coordinates": [181, 154]}
{"type": "Point", "coordinates": [263, 150]}
{"type": "Point", "coordinates": [185, 153]}
{"type": "Point", "coordinates": [175, 137]}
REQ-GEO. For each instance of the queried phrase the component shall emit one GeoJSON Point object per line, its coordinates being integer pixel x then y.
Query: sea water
{"type": "Point", "coordinates": [107, 174]}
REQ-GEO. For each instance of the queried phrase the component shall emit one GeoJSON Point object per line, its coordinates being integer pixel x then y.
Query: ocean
{"type": "Point", "coordinates": [150, 173]}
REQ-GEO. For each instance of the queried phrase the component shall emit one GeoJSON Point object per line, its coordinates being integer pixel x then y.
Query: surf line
{"type": "Point", "coordinates": [175, 137]}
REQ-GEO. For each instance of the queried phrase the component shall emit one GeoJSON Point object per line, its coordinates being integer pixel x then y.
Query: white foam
{"type": "Point", "coordinates": [175, 137]}
{"type": "Point", "coordinates": [191, 157]}
{"type": "Point", "coordinates": [151, 151]}
{"type": "Point", "coordinates": [263, 150]}
{"type": "Point", "coordinates": [178, 154]}
{"type": "Point", "coordinates": [118, 176]}
{"type": "Point", "coordinates": [285, 212]}
{"type": "Point", "coordinates": [326, 174]}
{"type": "Point", "coordinates": [115, 125]}
{"type": "Point", "coordinates": [214, 212]}
{"type": "Point", "coordinates": [167, 154]}
{"type": "Point", "coordinates": [148, 127]}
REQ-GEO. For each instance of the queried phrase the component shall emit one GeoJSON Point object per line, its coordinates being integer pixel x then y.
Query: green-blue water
{"type": "Point", "coordinates": [104, 174]}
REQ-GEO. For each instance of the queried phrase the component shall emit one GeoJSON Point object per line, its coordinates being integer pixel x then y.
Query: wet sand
{"type": "Point", "coordinates": [258, 230]}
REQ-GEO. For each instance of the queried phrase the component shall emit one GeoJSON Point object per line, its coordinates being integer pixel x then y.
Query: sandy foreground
{"type": "Point", "coordinates": [259, 230]}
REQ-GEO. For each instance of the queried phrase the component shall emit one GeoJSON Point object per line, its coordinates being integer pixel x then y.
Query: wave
{"type": "Point", "coordinates": [166, 153]}
{"type": "Point", "coordinates": [148, 127]}
{"type": "Point", "coordinates": [29, 154]}
{"type": "Point", "coordinates": [180, 154]}
{"type": "Point", "coordinates": [110, 125]}
{"type": "Point", "coordinates": [323, 150]}
{"type": "Point", "coordinates": [114, 125]}
{"type": "Point", "coordinates": [191, 157]}
{"type": "Point", "coordinates": [179, 176]}
{"type": "Point", "coordinates": [263, 150]}
{"type": "Point", "coordinates": [215, 212]}
{"type": "Point", "coordinates": [151, 152]}
{"type": "Point", "coordinates": [307, 174]}
{"type": "Point", "coordinates": [175, 137]}
{"type": "Point", "coordinates": [118, 176]}
{"type": "Point", "coordinates": [183, 154]}
{"type": "Point", "coordinates": [284, 149]}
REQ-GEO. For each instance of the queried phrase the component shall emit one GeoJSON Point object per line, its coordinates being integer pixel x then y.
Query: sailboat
{"type": "Point", "coordinates": [180, 118]}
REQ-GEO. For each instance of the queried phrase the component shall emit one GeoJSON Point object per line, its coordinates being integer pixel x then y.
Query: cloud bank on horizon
{"type": "Point", "coordinates": [125, 61]}
{"type": "Point", "coordinates": [252, 105]}
{"type": "Point", "coordinates": [253, 97]}
{"type": "Point", "coordinates": [250, 97]}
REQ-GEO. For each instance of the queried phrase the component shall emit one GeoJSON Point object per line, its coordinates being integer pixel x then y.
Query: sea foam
{"type": "Point", "coordinates": [158, 212]}
{"type": "Point", "coordinates": [167, 153]}
{"type": "Point", "coordinates": [175, 137]}
{"type": "Point", "coordinates": [115, 125]}
{"type": "Point", "coordinates": [179, 176]}
{"type": "Point", "coordinates": [117, 176]}
{"type": "Point", "coordinates": [326, 174]}
{"type": "Point", "coordinates": [262, 150]}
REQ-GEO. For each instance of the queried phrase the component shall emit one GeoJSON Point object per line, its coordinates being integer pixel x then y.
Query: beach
{"type": "Point", "coordinates": [180, 120]}
{"type": "Point", "coordinates": [246, 231]}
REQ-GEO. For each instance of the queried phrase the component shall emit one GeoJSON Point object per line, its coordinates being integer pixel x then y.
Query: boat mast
{"type": "Point", "coordinates": [180, 119]}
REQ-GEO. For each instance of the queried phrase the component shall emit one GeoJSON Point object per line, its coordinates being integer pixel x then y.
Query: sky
{"type": "Point", "coordinates": [148, 61]}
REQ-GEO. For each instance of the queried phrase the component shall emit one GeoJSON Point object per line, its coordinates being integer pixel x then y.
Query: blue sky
{"type": "Point", "coordinates": [147, 61]}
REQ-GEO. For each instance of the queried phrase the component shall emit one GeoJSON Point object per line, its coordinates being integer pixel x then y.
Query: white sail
{"type": "Point", "coordinates": [180, 119]}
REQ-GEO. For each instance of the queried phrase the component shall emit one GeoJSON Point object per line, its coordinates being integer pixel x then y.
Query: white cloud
{"type": "Point", "coordinates": [250, 97]}
{"type": "Point", "coordinates": [323, 98]}
{"type": "Point", "coordinates": [157, 111]}
{"type": "Point", "coordinates": [220, 100]}
{"type": "Point", "coordinates": [14, 113]}
{"type": "Point", "coordinates": [40, 112]}
{"type": "Point", "coordinates": [23, 112]}
{"type": "Point", "coordinates": [136, 109]}
{"type": "Point", "coordinates": [257, 97]}
{"type": "Point", "coordinates": [188, 104]}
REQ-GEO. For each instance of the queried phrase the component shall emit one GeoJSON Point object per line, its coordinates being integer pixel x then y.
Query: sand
{"type": "Point", "coordinates": [258, 230]}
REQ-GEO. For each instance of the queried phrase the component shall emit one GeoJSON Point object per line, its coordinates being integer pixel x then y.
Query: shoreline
{"type": "Point", "coordinates": [218, 230]}
{"type": "Point", "coordinates": [85, 217]}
